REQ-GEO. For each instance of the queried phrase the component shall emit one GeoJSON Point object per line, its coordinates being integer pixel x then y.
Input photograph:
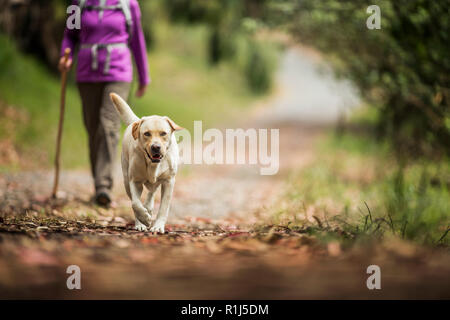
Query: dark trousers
{"type": "Point", "coordinates": [102, 123]}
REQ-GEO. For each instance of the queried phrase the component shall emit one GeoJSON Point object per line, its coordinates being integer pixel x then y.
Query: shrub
{"type": "Point", "coordinates": [258, 69]}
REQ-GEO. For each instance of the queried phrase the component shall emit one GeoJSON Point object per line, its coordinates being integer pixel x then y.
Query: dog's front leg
{"type": "Point", "coordinates": [149, 203]}
{"type": "Point", "coordinates": [166, 196]}
{"type": "Point", "coordinates": [142, 218]}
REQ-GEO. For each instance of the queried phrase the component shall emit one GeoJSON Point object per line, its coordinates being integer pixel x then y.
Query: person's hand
{"type": "Point", "coordinates": [64, 65]}
{"type": "Point", "coordinates": [141, 90]}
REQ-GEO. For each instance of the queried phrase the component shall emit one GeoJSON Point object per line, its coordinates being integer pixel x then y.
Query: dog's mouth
{"type": "Point", "coordinates": [154, 157]}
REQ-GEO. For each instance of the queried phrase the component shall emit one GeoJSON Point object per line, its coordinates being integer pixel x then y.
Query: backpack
{"type": "Point", "coordinates": [123, 5]}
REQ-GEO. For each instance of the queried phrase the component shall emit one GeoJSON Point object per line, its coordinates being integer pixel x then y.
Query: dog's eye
{"type": "Point", "coordinates": [163, 134]}
{"type": "Point", "coordinates": [147, 134]}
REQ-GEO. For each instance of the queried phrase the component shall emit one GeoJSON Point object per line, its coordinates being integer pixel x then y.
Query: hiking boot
{"type": "Point", "coordinates": [103, 199]}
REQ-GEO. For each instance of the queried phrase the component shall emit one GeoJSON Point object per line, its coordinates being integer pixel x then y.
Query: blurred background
{"type": "Point", "coordinates": [376, 102]}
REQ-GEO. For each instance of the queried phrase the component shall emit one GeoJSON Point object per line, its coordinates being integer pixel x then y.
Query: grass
{"type": "Point", "coordinates": [184, 87]}
{"type": "Point", "coordinates": [356, 190]}
{"type": "Point", "coordinates": [31, 89]}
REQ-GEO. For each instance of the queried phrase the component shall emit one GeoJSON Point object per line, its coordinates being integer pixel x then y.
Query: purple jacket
{"type": "Point", "coordinates": [111, 29]}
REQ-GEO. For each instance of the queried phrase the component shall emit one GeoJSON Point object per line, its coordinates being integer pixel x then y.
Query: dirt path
{"type": "Point", "coordinates": [220, 241]}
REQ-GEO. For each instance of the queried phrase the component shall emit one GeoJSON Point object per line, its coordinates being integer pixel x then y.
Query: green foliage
{"type": "Point", "coordinates": [230, 22]}
{"type": "Point", "coordinates": [220, 46]}
{"type": "Point", "coordinates": [258, 69]}
{"type": "Point", "coordinates": [357, 191]}
{"type": "Point", "coordinates": [28, 86]}
{"type": "Point", "coordinates": [221, 17]}
{"type": "Point", "coordinates": [403, 68]}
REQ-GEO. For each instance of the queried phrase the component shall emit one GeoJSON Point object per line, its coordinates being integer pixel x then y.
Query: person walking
{"type": "Point", "coordinates": [110, 32]}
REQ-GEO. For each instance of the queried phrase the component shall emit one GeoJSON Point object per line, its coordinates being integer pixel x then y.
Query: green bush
{"type": "Point", "coordinates": [220, 46]}
{"type": "Point", "coordinates": [258, 70]}
{"type": "Point", "coordinates": [230, 23]}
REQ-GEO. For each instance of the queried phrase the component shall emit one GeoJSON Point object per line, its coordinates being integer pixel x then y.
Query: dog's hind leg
{"type": "Point", "coordinates": [141, 214]}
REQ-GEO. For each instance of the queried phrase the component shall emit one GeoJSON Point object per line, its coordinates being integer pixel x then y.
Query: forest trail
{"type": "Point", "coordinates": [219, 243]}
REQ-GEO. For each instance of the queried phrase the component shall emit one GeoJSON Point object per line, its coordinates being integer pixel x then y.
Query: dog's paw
{"type": "Point", "coordinates": [143, 217]}
{"type": "Point", "coordinates": [158, 227]}
{"type": "Point", "coordinates": [150, 211]}
{"type": "Point", "coordinates": [139, 226]}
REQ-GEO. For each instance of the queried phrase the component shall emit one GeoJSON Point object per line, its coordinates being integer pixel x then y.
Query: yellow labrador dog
{"type": "Point", "coordinates": [150, 158]}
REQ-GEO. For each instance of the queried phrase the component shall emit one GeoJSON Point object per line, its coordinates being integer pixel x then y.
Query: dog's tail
{"type": "Point", "coordinates": [126, 114]}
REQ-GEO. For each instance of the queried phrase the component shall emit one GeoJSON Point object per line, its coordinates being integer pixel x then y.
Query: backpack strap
{"type": "Point", "coordinates": [125, 4]}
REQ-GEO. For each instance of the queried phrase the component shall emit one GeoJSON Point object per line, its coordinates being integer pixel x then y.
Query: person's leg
{"type": "Point", "coordinates": [107, 140]}
{"type": "Point", "coordinates": [91, 97]}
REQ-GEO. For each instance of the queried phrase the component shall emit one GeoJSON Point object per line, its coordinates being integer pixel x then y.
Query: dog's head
{"type": "Point", "coordinates": [154, 134]}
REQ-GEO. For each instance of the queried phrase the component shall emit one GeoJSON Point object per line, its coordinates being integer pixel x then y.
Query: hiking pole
{"type": "Point", "coordinates": [61, 122]}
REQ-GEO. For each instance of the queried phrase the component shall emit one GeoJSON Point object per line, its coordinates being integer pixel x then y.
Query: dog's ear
{"type": "Point", "coordinates": [135, 129]}
{"type": "Point", "coordinates": [173, 125]}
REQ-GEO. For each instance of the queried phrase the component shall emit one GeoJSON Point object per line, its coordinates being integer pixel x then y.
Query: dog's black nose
{"type": "Point", "coordinates": [156, 148]}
